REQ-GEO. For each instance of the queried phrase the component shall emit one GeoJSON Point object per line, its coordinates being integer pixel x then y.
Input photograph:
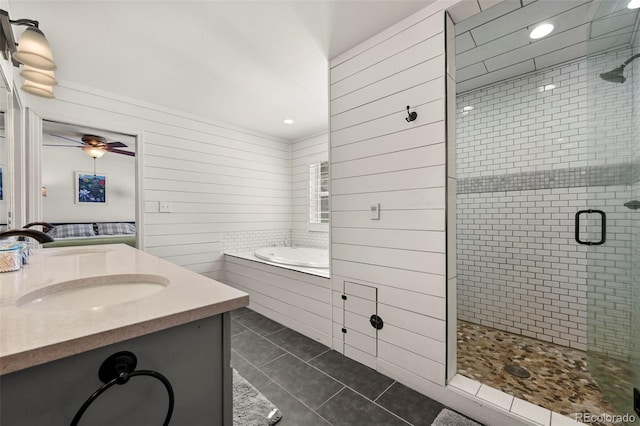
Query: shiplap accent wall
{"type": "Point", "coordinates": [218, 178]}
{"type": "Point", "coordinates": [314, 148]}
{"type": "Point", "coordinates": [378, 157]}
{"type": "Point", "coordinates": [295, 299]}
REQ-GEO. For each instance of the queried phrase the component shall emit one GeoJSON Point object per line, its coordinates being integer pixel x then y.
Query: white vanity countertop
{"type": "Point", "coordinates": [30, 337]}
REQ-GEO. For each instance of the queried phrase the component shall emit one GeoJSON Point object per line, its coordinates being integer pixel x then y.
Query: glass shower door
{"type": "Point", "coordinates": [611, 171]}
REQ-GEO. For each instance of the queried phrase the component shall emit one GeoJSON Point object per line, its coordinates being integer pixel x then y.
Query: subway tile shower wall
{"type": "Point", "coordinates": [304, 238]}
{"type": "Point", "coordinates": [635, 214]}
{"type": "Point", "coordinates": [250, 240]}
{"type": "Point", "coordinates": [526, 162]}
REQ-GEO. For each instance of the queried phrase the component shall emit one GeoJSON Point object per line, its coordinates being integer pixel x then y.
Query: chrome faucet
{"type": "Point", "coordinates": [39, 236]}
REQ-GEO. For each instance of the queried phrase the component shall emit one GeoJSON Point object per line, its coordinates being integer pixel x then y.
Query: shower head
{"type": "Point", "coordinates": [616, 75]}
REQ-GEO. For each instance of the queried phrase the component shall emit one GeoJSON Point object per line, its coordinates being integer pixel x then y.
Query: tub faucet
{"type": "Point", "coordinates": [39, 236]}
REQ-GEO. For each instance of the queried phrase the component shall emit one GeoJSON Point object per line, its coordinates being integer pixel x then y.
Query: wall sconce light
{"type": "Point", "coordinates": [33, 52]}
{"type": "Point", "coordinates": [41, 90]}
{"type": "Point", "coordinates": [38, 76]}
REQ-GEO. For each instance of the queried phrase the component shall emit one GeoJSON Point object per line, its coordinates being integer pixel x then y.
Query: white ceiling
{"type": "Point", "coordinates": [494, 45]}
{"type": "Point", "coordinates": [254, 63]}
{"type": "Point", "coordinates": [245, 63]}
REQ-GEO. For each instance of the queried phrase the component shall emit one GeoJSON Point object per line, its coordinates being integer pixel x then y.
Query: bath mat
{"type": "Point", "coordinates": [451, 418]}
{"type": "Point", "coordinates": [250, 407]}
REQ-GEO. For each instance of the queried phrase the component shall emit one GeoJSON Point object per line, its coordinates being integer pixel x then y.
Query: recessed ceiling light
{"type": "Point", "coordinates": [287, 121]}
{"type": "Point", "coordinates": [540, 31]}
{"type": "Point", "coordinates": [633, 4]}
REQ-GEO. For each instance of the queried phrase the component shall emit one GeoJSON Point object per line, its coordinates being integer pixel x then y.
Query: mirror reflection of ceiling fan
{"type": "Point", "coordinates": [94, 146]}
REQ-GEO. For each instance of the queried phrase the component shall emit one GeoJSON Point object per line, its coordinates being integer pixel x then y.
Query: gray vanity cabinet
{"type": "Point", "coordinates": [194, 357]}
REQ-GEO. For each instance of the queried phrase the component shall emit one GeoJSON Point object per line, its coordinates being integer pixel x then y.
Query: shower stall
{"type": "Point", "coordinates": [548, 227]}
{"type": "Point", "coordinates": [613, 268]}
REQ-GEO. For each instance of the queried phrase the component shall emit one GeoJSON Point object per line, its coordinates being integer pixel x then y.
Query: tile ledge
{"type": "Point", "coordinates": [462, 384]}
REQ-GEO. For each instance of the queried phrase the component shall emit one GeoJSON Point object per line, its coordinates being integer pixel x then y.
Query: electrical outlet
{"type": "Point", "coordinates": [166, 207]}
{"type": "Point", "coordinates": [375, 211]}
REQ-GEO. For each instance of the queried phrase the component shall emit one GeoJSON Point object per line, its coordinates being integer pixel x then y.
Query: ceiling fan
{"type": "Point", "coordinates": [94, 146]}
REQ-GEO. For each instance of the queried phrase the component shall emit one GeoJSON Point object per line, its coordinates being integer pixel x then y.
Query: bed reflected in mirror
{"type": "Point", "coordinates": [88, 179]}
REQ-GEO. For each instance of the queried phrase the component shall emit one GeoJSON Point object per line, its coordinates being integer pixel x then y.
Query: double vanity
{"type": "Point", "coordinates": [69, 309]}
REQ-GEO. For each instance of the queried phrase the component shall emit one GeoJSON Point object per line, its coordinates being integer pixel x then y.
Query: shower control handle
{"type": "Point", "coordinates": [603, 228]}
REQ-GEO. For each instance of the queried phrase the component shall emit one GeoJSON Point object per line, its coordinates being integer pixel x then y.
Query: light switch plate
{"type": "Point", "coordinates": [375, 212]}
{"type": "Point", "coordinates": [166, 207]}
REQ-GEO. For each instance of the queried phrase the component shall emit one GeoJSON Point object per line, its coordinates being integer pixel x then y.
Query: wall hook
{"type": "Point", "coordinates": [412, 115]}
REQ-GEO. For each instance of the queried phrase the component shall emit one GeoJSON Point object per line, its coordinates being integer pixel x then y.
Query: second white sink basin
{"type": "Point", "coordinates": [93, 292]}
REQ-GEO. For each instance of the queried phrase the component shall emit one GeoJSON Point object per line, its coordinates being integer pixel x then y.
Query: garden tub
{"type": "Point", "coordinates": [295, 256]}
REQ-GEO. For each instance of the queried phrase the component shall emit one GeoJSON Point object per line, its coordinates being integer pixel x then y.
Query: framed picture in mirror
{"type": "Point", "coordinates": [91, 188]}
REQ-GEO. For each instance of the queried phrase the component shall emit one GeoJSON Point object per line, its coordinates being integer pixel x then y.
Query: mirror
{"type": "Point", "coordinates": [88, 184]}
{"type": "Point", "coordinates": [5, 190]}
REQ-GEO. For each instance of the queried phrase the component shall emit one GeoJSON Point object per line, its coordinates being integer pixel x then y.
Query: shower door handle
{"type": "Point", "coordinates": [603, 228]}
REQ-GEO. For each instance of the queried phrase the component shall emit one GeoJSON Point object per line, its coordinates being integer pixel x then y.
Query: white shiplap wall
{"type": "Point", "coordinates": [219, 179]}
{"type": "Point", "coordinates": [303, 151]}
{"type": "Point", "coordinates": [295, 299]}
{"type": "Point", "coordinates": [378, 157]}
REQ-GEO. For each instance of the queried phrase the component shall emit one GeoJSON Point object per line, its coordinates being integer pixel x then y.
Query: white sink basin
{"type": "Point", "coordinates": [93, 292]}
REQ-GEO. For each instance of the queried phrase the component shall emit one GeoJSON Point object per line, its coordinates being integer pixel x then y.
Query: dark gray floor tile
{"type": "Point", "coordinates": [350, 409]}
{"type": "Point", "coordinates": [237, 328]}
{"type": "Point", "coordinates": [255, 349]}
{"type": "Point", "coordinates": [294, 413]}
{"type": "Point", "coordinates": [359, 377]}
{"type": "Point", "coordinates": [240, 312]}
{"type": "Point", "coordinates": [300, 379]}
{"type": "Point", "coordinates": [299, 345]}
{"type": "Point", "coordinates": [248, 371]}
{"type": "Point", "coordinates": [412, 406]}
{"type": "Point", "coordinates": [259, 323]}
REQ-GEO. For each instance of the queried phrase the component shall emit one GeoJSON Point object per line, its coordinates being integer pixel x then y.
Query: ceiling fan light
{"type": "Point", "coordinates": [41, 90]}
{"type": "Point", "coordinates": [94, 151]}
{"type": "Point", "coordinates": [35, 75]}
{"type": "Point", "coordinates": [34, 50]}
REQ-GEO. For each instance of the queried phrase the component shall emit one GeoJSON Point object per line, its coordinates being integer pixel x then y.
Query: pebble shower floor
{"type": "Point", "coordinates": [559, 381]}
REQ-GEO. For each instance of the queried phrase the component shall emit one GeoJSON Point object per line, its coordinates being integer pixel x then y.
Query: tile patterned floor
{"type": "Point", "coordinates": [559, 378]}
{"type": "Point", "coordinates": [314, 385]}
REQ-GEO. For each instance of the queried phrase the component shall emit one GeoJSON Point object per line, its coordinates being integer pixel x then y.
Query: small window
{"type": "Point", "coordinates": [319, 193]}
